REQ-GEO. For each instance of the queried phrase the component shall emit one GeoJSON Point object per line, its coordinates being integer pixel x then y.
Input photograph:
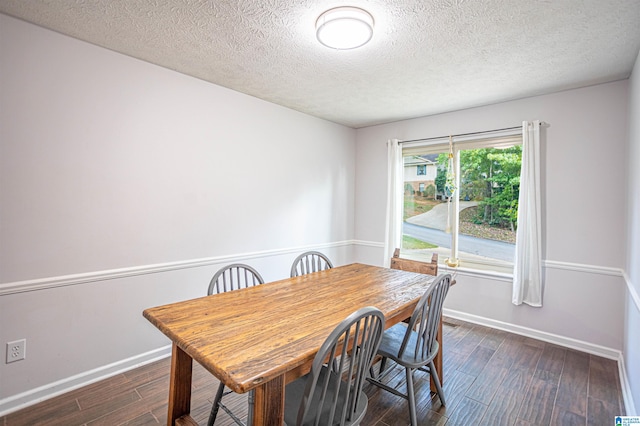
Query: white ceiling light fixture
{"type": "Point", "coordinates": [344, 28]}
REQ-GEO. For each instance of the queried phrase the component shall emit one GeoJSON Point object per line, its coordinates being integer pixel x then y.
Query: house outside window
{"type": "Point", "coordinates": [476, 225]}
{"type": "Point", "coordinates": [419, 174]}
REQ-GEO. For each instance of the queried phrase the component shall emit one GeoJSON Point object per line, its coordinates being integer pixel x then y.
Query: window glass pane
{"type": "Point", "coordinates": [425, 206]}
{"type": "Point", "coordinates": [489, 188]}
{"type": "Point", "coordinates": [485, 205]}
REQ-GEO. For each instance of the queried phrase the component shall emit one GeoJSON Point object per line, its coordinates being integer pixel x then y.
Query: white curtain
{"type": "Point", "coordinates": [393, 232]}
{"type": "Point", "coordinates": [527, 273]}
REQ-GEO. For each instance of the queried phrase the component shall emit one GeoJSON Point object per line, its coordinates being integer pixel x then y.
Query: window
{"type": "Point", "coordinates": [475, 224]}
{"type": "Point", "coordinates": [421, 187]}
{"type": "Point", "coordinates": [422, 170]}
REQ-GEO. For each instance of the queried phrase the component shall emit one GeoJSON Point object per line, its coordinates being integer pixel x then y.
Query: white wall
{"type": "Point", "coordinates": [632, 317]}
{"type": "Point", "coordinates": [124, 185]}
{"type": "Point", "coordinates": [584, 213]}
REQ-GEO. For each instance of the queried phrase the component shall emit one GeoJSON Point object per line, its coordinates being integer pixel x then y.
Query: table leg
{"type": "Point", "coordinates": [269, 403]}
{"type": "Point", "coordinates": [179, 386]}
{"type": "Point", "coordinates": [438, 359]}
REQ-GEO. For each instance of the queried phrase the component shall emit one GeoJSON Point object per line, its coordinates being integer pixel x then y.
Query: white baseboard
{"type": "Point", "coordinates": [566, 342]}
{"type": "Point", "coordinates": [629, 405]}
{"type": "Point", "coordinates": [33, 396]}
{"type": "Point", "coordinates": [48, 391]}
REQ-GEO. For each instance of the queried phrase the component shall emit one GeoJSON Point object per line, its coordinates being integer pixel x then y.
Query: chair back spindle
{"type": "Point", "coordinates": [333, 395]}
{"type": "Point", "coordinates": [425, 321]}
{"type": "Point", "coordinates": [234, 277]}
{"type": "Point", "coordinates": [308, 262]}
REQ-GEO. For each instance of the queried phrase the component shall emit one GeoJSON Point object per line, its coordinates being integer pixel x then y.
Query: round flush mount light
{"type": "Point", "coordinates": [344, 28]}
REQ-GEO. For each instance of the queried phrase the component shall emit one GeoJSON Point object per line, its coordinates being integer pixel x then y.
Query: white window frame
{"type": "Point", "coordinates": [497, 139]}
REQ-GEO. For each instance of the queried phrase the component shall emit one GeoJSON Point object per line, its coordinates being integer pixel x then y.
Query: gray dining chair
{"type": "Point", "coordinates": [414, 345]}
{"type": "Point", "coordinates": [232, 277]}
{"type": "Point", "coordinates": [311, 261]}
{"type": "Point", "coordinates": [333, 396]}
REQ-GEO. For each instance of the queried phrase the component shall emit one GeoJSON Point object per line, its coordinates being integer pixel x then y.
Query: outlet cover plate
{"type": "Point", "coordinates": [16, 350]}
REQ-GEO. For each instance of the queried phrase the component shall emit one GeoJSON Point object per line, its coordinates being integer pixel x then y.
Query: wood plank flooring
{"type": "Point", "coordinates": [491, 378]}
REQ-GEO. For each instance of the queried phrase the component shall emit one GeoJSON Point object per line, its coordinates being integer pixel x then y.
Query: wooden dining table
{"type": "Point", "coordinates": [263, 337]}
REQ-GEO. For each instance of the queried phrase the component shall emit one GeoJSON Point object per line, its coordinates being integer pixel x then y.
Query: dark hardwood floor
{"type": "Point", "coordinates": [490, 378]}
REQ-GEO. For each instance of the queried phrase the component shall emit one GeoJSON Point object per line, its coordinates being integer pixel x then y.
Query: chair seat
{"type": "Point", "coordinates": [392, 339]}
{"type": "Point", "coordinates": [294, 392]}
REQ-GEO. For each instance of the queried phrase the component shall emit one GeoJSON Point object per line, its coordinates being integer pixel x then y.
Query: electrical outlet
{"type": "Point", "coordinates": [16, 350]}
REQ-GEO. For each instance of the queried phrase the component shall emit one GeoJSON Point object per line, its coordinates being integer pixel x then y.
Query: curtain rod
{"type": "Point", "coordinates": [461, 134]}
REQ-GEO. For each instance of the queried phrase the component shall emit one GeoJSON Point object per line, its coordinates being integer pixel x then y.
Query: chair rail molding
{"type": "Point", "coordinates": [632, 291]}
{"type": "Point", "coordinates": [90, 277]}
{"type": "Point", "coordinates": [549, 264]}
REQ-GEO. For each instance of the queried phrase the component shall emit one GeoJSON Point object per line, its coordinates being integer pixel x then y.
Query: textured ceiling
{"type": "Point", "coordinates": [426, 56]}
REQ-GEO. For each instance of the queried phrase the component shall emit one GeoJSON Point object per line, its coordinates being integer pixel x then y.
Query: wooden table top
{"type": "Point", "coordinates": [250, 336]}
